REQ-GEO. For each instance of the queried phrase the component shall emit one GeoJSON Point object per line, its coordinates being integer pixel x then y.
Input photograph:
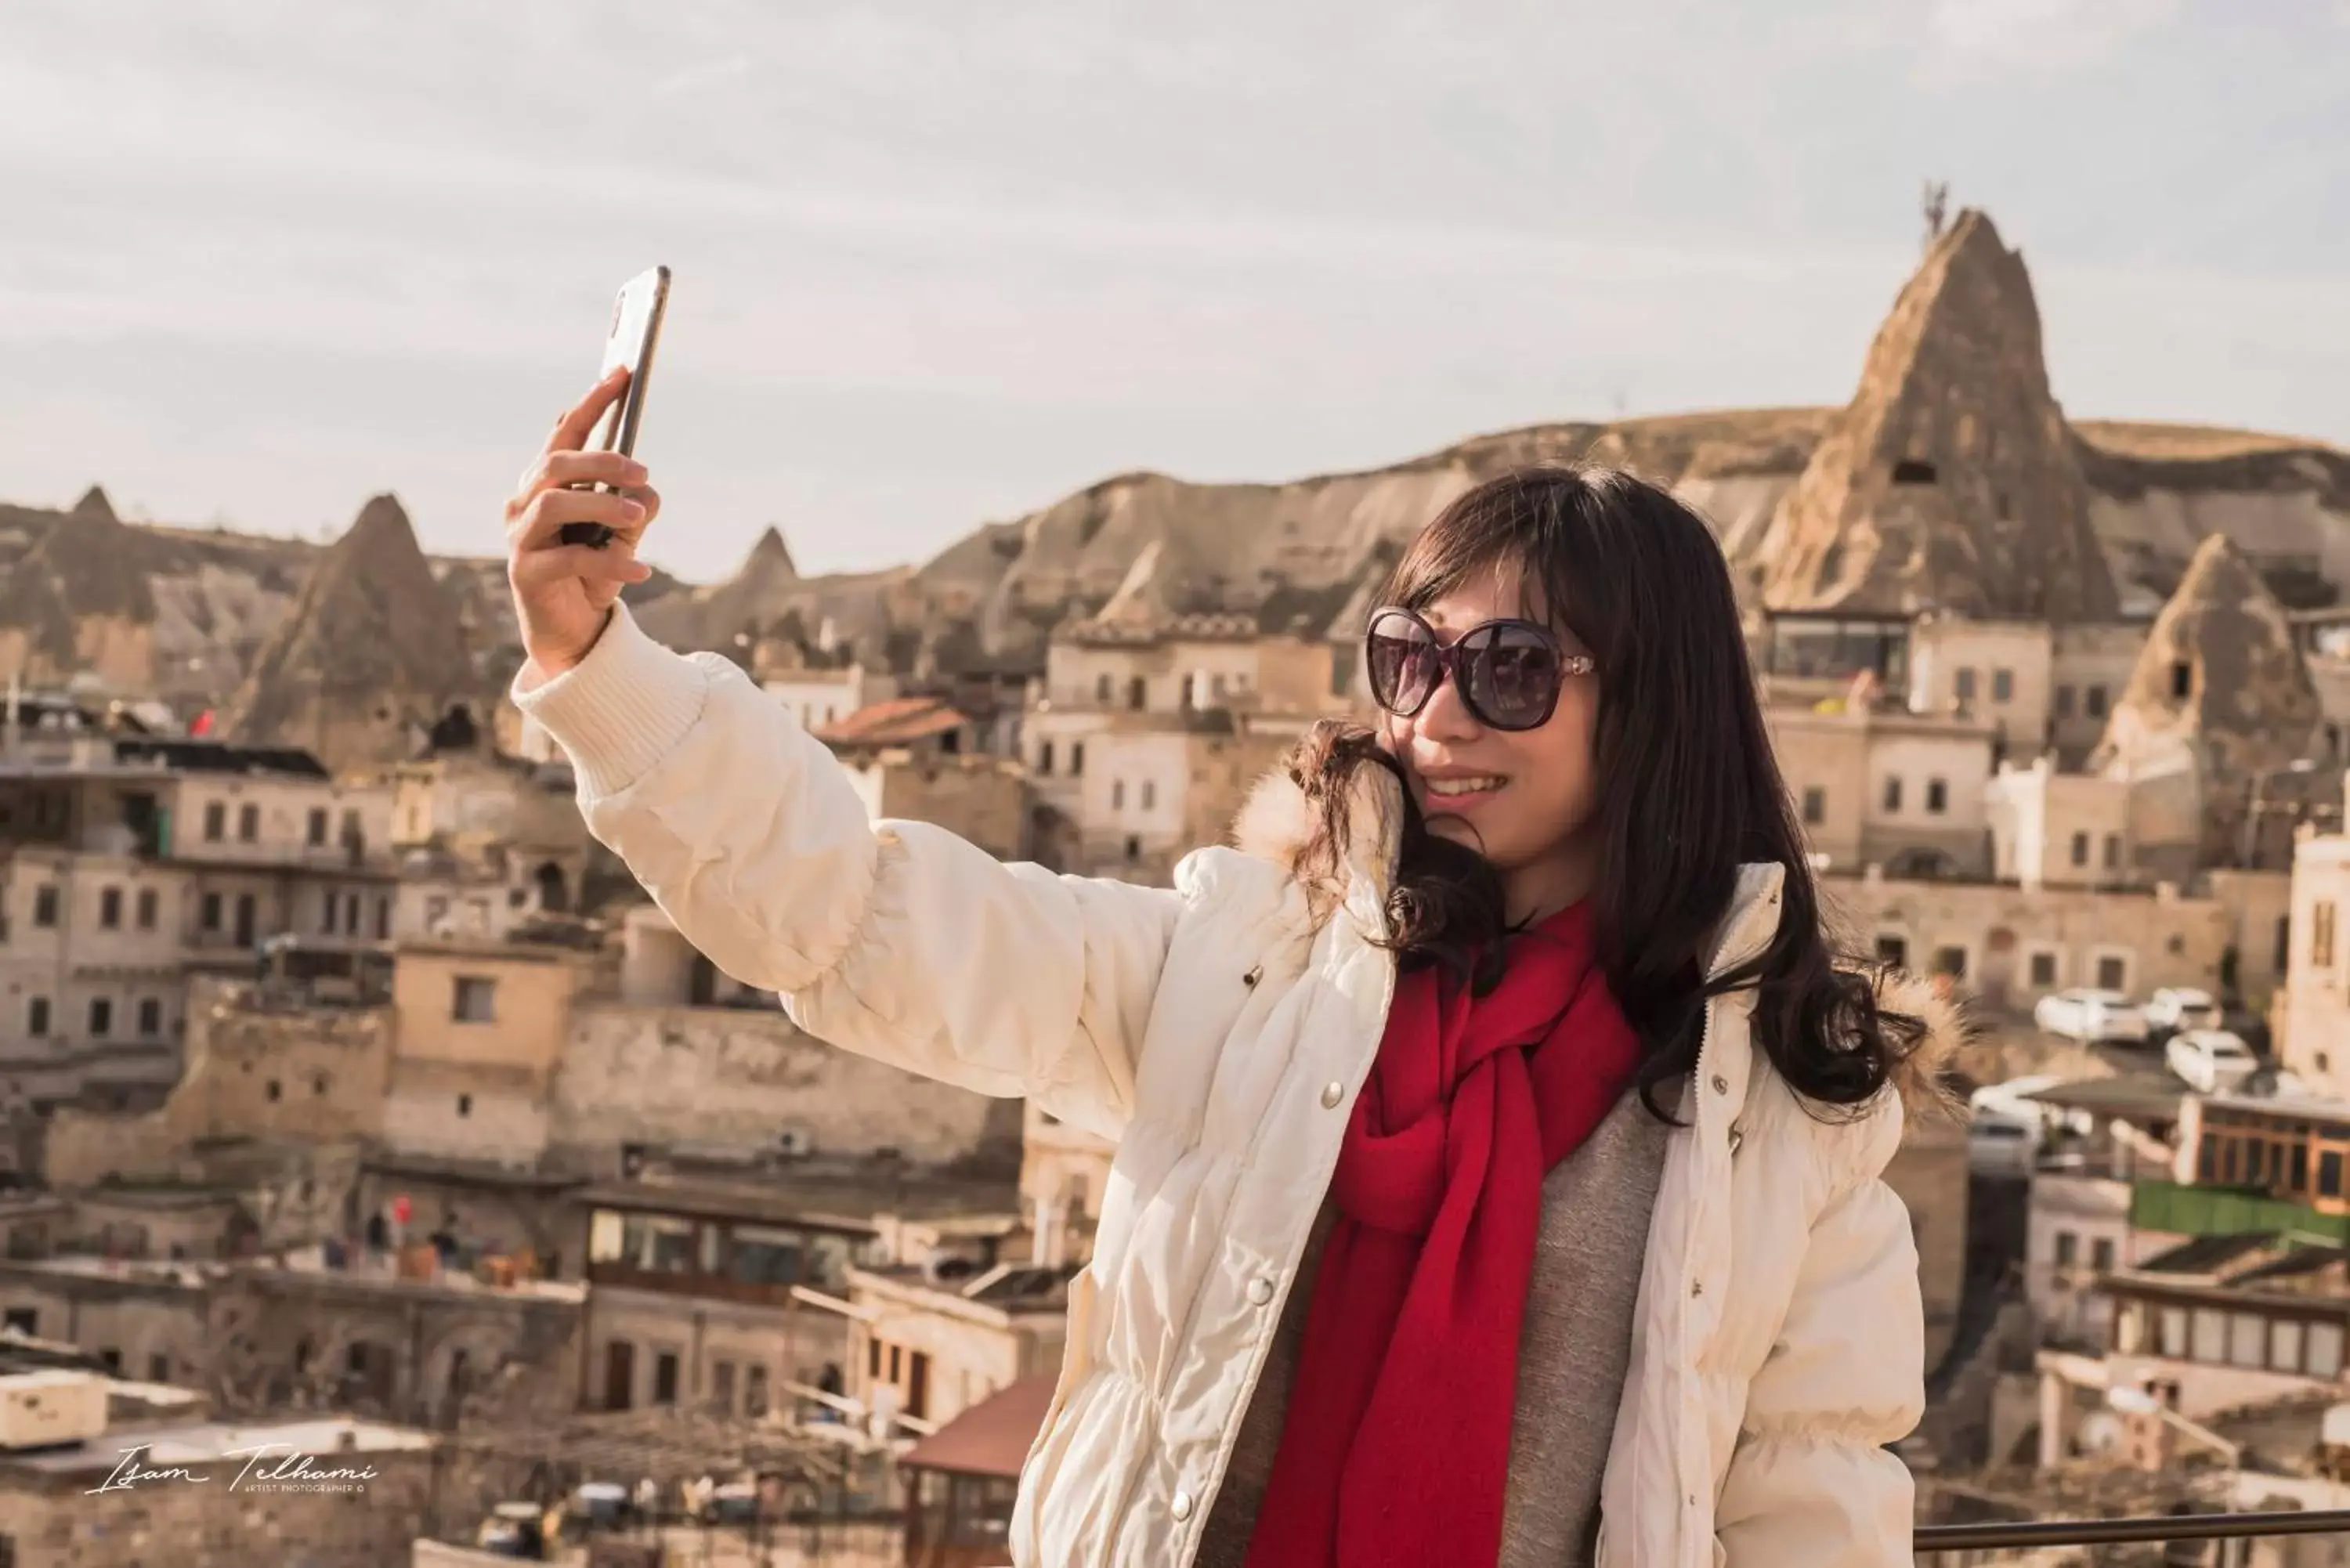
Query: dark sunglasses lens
{"type": "Point", "coordinates": [1513, 676]}
{"type": "Point", "coordinates": [1402, 664]}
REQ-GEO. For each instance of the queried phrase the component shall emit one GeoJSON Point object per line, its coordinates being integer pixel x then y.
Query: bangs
{"type": "Point", "coordinates": [1516, 528]}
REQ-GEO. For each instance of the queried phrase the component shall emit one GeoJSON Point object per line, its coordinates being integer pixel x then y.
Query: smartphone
{"type": "Point", "coordinates": [636, 328]}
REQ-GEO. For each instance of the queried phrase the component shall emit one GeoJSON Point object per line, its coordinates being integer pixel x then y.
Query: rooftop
{"type": "Point", "coordinates": [899, 722]}
{"type": "Point", "coordinates": [2132, 1096]}
{"type": "Point", "coordinates": [991, 1438]}
{"type": "Point", "coordinates": [220, 1442]}
{"type": "Point", "coordinates": [842, 1198]}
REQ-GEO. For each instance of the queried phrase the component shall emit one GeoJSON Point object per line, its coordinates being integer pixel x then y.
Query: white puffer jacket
{"type": "Point", "coordinates": [1219, 1030]}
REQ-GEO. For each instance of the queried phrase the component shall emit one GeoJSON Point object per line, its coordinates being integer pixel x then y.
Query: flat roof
{"type": "Point", "coordinates": [2125, 1095]}
{"type": "Point", "coordinates": [844, 1201]}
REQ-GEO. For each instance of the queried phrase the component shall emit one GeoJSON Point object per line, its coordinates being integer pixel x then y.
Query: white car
{"type": "Point", "coordinates": [2210, 1061]}
{"type": "Point", "coordinates": [2175, 1010]}
{"type": "Point", "coordinates": [1997, 1145]}
{"type": "Point", "coordinates": [2092, 1016]}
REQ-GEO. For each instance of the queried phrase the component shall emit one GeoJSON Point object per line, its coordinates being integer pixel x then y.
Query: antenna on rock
{"type": "Point", "coordinates": [1937, 206]}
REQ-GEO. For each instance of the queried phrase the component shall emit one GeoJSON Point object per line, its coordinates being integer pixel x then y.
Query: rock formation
{"type": "Point", "coordinates": [2220, 705]}
{"type": "Point", "coordinates": [370, 656]}
{"type": "Point", "coordinates": [1950, 481]}
{"type": "Point", "coordinates": [79, 603]}
{"type": "Point", "coordinates": [2221, 682]}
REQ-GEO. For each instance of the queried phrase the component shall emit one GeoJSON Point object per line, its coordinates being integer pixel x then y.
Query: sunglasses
{"type": "Point", "coordinates": [1508, 672]}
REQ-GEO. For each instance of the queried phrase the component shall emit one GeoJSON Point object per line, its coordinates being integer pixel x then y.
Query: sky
{"type": "Point", "coordinates": [939, 263]}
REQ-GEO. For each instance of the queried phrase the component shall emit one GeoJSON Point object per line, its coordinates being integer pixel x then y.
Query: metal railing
{"type": "Point", "coordinates": [1933, 1539]}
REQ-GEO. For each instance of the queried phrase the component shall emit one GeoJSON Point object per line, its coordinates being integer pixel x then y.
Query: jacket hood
{"type": "Point", "coordinates": [1277, 823]}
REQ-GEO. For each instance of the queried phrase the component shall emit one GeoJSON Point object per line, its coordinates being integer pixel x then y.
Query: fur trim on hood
{"type": "Point", "coordinates": [1277, 823]}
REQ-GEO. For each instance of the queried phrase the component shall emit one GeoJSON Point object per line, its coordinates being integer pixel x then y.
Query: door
{"type": "Point", "coordinates": [619, 1374]}
{"type": "Point", "coordinates": [245, 920]}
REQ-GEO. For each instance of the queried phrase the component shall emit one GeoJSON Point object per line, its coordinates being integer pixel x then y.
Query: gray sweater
{"type": "Point", "coordinates": [1572, 1355]}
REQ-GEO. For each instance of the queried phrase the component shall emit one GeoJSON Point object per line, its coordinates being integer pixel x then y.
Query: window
{"type": "Point", "coordinates": [721, 1386]}
{"type": "Point", "coordinates": [1816, 806]}
{"type": "Point", "coordinates": [2298, 1179]}
{"type": "Point", "coordinates": [44, 906]}
{"type": "Point", "coordinates": [274, 1090]}
{"type": "Point", "coordinates": [665, 1377]}
{"type": "Point", "coordinates": [326, 914]}
{"type": "Point", "coordinates": [1076, 759]}
{"type": "Point", "coordinates": [1894, 950]}
{"type": "Point", "coordinates": [1137, 693]}
{"type": "Point", "coordinates": [2284, 1346]}
{"type": "Point", "coordinates": [26, 1321]}
{"type": "Point", "coordinates": [2248, 1339]}
{"type": "Point", "coordinates": [1044, 766]}
{"type": "Point", "coordinates": [2044, 971]}
{"type": "Point", "coordinates": [383, 919]}
{"type": "Point", "coordinates": [351, 914]}
{"type": "Point", "coordinates": [2063, 701]}
{"type": "Point", "coordinates": [2182, 678]}
{"type": "Point", "coordinates": [2101, 1255]}
{"type": "Point", "coordinates": [2093, 703]}
{"type": "Point", "coordinates": [2325, 1350]}
{"type": "Point", "coordinates": [112, 1359]}
{"type": "Point", "coordinates": [1118, 794]}
{"type": "Point", "coordinates": [2067, 1247]}
{"type": "Point", "coordinates": [872, 1358]}
{"type": "Point", "coordinates": [1913, 470]}
{"type": "Point", "coordinates": [1133, 849]}
{"type": "Point", "coordinates": [248, 823]}
{"type": "Point", "coordinates": [148, 907]}
{"type": "Point", "coordinates": [317, 826]}
{"type": "Point", "coordinates": [2112, 973]}
{"type": "Point", "coordinates": [1150, 794]}
{"type": "Point", "coordinates": [1964, 683]}
{"type": "Point", "coordinates": [754, 1391]}
{"type": "Point", "coordinates": [761, 1256]}
{"type": "Point", "coordinates": [2320, 934]}
{"type": "Point", "coordinates": [2208, 1338]}
{"type": "Point", "coordinates": [110, 909]}
{"type": "Point", "coordinates": [216, 821]}
{"type": "Point", "coordinates": [37, 1017]}
{"type": "Point", "coordinates": [473, 1000]}
{"type": "Point", "coordinates": [2113, 851]}
{"type": "Point", "coordinates": [2002, 685]}
{"type": "Point", "coordinates": [151, 1017]}
{"type": "Point", "coordinates": [1938, 796]}
{"type": "Point", "coordinates": [2281, 955]}
{"type": "Point", "coordinates": [1102, 691]}
{"type": "Point", "coordinates": [319, 1082]}
{"type": "Point", "coordinates": [1893, 794]}
{"type": "Point", "coordinates": [464, 1104]}
{"type": "Point", "coordinates": [2080, 849]}
{"type": "Point", "coordinates": [2171, 1337]}
{"type": "Point", "coordinates": [101, 1017]}
{"type": "Point", "coordinates": [2329, 1173]}
{"type": "Point", "coordinates": [159, 1367]}
{"type": "Point", "coordinates": [1951, 961]}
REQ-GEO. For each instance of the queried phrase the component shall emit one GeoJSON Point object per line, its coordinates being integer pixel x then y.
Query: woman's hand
{"type": "Point", "coordinates": [564, 593]}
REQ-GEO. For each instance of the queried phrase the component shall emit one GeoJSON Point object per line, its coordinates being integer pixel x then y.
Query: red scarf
{"type": "Point", "coordinates": [1395, 1447]}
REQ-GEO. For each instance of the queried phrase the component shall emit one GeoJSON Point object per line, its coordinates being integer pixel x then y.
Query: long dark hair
{"type": "Point", "coordinates": [1689, 788]}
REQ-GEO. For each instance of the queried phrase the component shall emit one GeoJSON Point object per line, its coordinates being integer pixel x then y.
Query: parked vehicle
{"type": "Point", "coordinates": [2090, 1016]}
{"type": "Point", "coordinates": [2210, 1061]}
{"type": "Point", "coordinates": [2175, 1010]}
{"type": "Point", "coordinates": [1999, 1147]}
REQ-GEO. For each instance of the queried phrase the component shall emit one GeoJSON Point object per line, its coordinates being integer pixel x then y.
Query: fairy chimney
{"type": "Point", "coordinates": [370, 657]}
{"type": "Point", "coordinates": [2221, 703]}
{"type": "Point", "coordinates": [1950, 481]}
{"type": "Point", "coordinates": [79, 603]}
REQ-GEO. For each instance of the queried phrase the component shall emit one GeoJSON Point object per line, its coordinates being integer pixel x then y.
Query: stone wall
{"type": "Point", "coordinates": [740, 1076]}
{"type": "Point", "coordinates": [1930, 1173]}
{"type": "Point", "coordinates": [983, 799]}
{"type": "Point", "coordinates": [791, 1343]}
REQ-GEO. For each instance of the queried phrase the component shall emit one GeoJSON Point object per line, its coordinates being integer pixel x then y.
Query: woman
{"type": "Point", "coordinates": [1499, 1150]}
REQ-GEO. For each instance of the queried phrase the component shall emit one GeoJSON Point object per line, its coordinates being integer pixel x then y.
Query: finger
{"type": "Point", "coordinates": [645, 496]}
{"type": "Point", "coordinates": [571, 430]}
{"type": "Point", "coordinates": [578, 562]}
{"type": "Point", "coordinates": [551, 509]}
{"type": "Point", "coordinates": [559, 468]}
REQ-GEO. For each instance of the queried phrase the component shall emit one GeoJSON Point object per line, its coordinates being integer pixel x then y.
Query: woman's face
{"type": "Point", "coordinates": [1525, 799]}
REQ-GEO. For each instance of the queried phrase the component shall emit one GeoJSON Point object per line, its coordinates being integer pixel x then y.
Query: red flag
{"type": "Point", "coordinates": [204, 724]}
{"type": "Point", "coordinates": [402, 1210]}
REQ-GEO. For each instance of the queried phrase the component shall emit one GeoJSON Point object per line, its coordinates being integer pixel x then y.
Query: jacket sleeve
{"type": "Point", "coordinates": [898, 940]}
{"type": "Point", "coordinates": [1811, 1483]}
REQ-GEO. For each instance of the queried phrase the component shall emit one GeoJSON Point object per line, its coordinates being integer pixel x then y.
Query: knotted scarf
{"type": "Point", "coordinates": [1395, 1449]}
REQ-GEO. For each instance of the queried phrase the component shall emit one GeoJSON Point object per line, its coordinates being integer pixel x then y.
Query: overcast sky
{"type": "Point", "coordinates": [939, 263]}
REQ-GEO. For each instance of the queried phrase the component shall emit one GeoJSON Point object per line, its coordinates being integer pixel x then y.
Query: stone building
{"type": "Point", "coordinates": [1064, 1176]}
{"type": "Point", "coordinates": [2220, 701]}
{"type": "Point", "coordinates": [1950, 481]}
{"type": "Point", "coordinates": [926, 1344]}
{"type": "Point", "coordinates": [2052, 829]}
{"type": "Point", "coordinates": [370, 659]}
{"type": "Point", "coordinates": [920, 759]}
{"type": "Point", "coordinates": [1876, 785]}
{"type": "Point", "coordinates": [2312, 1020]}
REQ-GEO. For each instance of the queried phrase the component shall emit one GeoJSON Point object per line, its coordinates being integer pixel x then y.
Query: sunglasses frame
{"type": "Point", "coordinates": [1450, 659]}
